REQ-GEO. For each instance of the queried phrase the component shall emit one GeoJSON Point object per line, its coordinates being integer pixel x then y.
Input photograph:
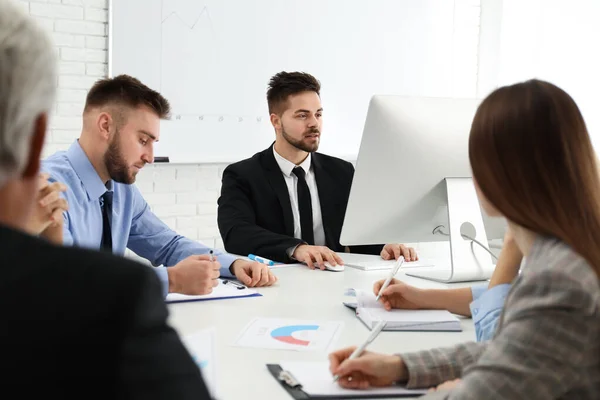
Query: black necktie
{"type": "Point", "coordinates": [106, 206]}
{"type": "Point", "coordinates": [305, 206]}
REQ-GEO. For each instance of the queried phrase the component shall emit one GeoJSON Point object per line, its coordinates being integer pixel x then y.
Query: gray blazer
{"type": "Point", "coordinates": [546, 346]}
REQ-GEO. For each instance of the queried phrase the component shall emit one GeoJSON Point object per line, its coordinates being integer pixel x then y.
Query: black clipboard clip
{"type": "Point", "coordinates": [287, 378]}
{"type": "Point", "coordinates": [238, 286]}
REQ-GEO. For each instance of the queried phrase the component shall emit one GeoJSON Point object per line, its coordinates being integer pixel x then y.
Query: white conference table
{"type": "Point", "coordinates": [303, 294]}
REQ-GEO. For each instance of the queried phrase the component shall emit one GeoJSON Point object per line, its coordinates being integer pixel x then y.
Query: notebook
{"type": "Point", "coordinates": [225, 290]}
{"type": "Point", "coordinates": [370, 312]}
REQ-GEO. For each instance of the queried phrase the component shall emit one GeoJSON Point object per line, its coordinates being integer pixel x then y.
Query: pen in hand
{"type": "Point", "coordinates": [389, 278]}
{"type": "Point", "coordinates": [359, 350]}
{"type": "Point", "coordinates": [212, 257]}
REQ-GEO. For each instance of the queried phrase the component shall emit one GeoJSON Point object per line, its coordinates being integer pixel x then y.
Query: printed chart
{"type": "Point", "coordinates": [295, 335]}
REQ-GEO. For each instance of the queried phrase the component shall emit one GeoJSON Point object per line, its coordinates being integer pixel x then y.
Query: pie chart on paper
{"type": "Point", "coordinates": [286, 334]}
{"type": "Point", "coordinates": [289, 334]}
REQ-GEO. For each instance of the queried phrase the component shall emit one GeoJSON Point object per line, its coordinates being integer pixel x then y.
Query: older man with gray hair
{"type": "Point", "coordinates": [76, 323]}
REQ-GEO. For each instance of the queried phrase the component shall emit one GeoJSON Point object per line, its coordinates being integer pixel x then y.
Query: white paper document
{"type": "Point", "coordinates": [316, 380]}
{"type": "Point", "coordinates": [202, 347]}
{"type": "Point", "coordinates": [287, 334]}
{"type": "Point", "coordinates": [221, 291]}
{"type": "Point", "coordinates": [371, 312]}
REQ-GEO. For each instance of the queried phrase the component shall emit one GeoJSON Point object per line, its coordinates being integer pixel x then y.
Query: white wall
{"type": "Point", "coordinates": [184, 196]}
{"type": "Point", "coordinates": [557, 41]}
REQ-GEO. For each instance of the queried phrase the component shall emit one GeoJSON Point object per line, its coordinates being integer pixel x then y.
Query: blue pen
{"type": "Point", "coordinates": [261, 259]}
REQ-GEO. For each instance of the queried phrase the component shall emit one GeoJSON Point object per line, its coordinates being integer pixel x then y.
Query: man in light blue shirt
{"type": "Point", "coordinates": [121, 122]}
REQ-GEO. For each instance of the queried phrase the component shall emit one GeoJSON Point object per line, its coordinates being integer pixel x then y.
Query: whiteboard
{"type": "Point", "coordinates": [213, 59]}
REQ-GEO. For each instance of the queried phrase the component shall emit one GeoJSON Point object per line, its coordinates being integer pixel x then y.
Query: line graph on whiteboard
{"type": "Point", "coordinates": [203, 12]}
{"type": "Point", "coordinates": [194, 53]}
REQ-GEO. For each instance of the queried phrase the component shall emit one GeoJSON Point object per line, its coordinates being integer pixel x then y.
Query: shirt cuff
{"type": "Point", "coordinates": [226, 260]}
{"type": "Point", "coordinates": [163, 276]}
{"type": "Point", "coordinates": [478, 290]}
{"type": "Point", "coordinates": [290, 251]}
{"type": "Point", "coordinates": [489, 301]}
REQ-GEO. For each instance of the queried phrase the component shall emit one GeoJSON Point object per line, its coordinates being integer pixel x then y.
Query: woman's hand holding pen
{"type": "Point", "coordinates": [368, 370]}
{"type": "Point", "coordinates": [398, 295]}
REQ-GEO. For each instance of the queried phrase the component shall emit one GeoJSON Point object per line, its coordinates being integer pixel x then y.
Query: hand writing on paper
{"type": "Point", "coordinates": [368, 370]}
{"type": "Point", "coordinates": [194, 275]}
{"type": "Point", "coordinates": [315, 256]}
{"type": "Point", "coordinates": [398, 295]}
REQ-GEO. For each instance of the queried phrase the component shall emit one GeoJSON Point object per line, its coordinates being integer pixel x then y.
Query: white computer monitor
{"type": "Point", "coordinates": [413, 176]}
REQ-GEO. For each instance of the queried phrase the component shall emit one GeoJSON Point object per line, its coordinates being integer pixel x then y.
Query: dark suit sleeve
{"type": "Point", "coordinates": [237, 223]}
{"type": "Point", "coordinates": [154, 363]}
{"type": "Point", "coordinates": [374, 249]}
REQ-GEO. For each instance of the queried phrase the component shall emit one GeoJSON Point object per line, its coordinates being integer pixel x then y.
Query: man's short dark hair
{"type": "Point", "coordinates": [125, 90]}
{"type": "Point", "coordinates": [285, 84]}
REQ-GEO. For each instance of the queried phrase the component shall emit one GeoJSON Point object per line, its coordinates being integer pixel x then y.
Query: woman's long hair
{"type": "Point", "coordinates": [533, 159]}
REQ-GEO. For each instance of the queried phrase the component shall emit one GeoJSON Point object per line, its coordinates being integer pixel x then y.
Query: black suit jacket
{"type": "Point", "coordinates": [83, 324]}
{"type": "Point", "coordinates": [255, 212]}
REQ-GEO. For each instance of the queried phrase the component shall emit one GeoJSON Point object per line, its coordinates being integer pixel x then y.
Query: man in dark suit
{"type": "Point", "coordinates": [287, 203]}
{"type": "Point", "coordinates": [75, 323]}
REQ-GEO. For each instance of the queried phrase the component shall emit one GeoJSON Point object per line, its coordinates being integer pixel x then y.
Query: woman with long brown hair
{"type": "Point", "coordinates": [533, 163]}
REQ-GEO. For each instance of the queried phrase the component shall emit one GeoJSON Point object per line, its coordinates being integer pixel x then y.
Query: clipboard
{"type": "Point", "coordinates": [288, 382]}
{"type": "Point", "coordinates": [294, 388]}
{"type": "Point", "coordinates": [226, 289]}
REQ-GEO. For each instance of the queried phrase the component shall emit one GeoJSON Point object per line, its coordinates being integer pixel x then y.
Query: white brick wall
{"type": "Point", "coordinates": [184, 196]}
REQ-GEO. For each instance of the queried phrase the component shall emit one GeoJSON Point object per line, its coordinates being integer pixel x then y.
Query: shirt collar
{"type": "Point", "coordinates": [287, 166]}
{"type": "Point", "coordinates": [87, 173]}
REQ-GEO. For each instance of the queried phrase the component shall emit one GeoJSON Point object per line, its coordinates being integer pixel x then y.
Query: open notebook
{"type": "Point", "coordinates": [370, 312]}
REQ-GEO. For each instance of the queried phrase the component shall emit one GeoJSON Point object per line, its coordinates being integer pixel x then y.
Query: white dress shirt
{"type": "Point", "coordinates": [291, 180]}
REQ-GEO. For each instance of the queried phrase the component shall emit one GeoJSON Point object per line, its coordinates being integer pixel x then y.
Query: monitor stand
{"type": "Point", "coordinates": [468, 261]}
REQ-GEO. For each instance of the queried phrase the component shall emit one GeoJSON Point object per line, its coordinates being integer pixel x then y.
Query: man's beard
{"type": "Point", "coordinates": [300, 144]}
{"type": "Point", "coordinates": [116, 164]}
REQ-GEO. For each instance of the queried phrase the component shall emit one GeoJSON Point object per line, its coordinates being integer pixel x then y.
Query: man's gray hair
{"type": "Point", "coordinates": [27, 85]}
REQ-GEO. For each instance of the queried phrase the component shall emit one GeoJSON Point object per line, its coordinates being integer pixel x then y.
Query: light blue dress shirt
{"type": "Point", "coordinates": [486, 309]}
{"type": "Point", "coordinates": [134, 226]}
